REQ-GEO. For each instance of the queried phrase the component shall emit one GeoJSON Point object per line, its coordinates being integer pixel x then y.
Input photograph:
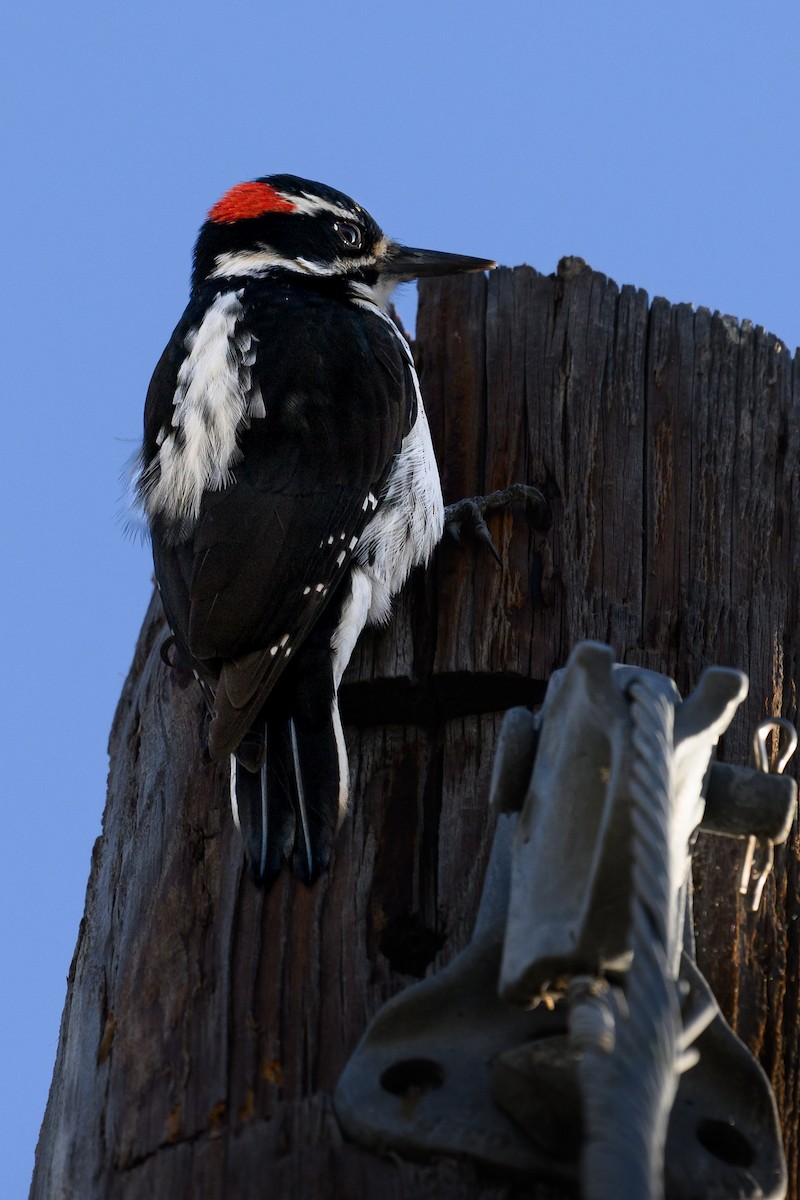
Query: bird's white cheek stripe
{"type": "Point", "coordinates": [213, 399]}
{"type": "Point", "coordinates": [260, 262]}
{"type": "Point", "coordinates": [310, 205]}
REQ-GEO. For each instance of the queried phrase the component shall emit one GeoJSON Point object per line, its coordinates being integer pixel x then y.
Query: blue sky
{"type": "Point", "coordinates": [657, 141]}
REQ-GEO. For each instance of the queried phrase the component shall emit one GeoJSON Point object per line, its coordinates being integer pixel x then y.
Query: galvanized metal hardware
{"type": "Point", "coordinates": [759, 855]}
{"type": "Point", "coordinates": [576, 1028]}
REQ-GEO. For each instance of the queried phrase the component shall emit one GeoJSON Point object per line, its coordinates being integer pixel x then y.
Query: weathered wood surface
{"type": "Point", "coordinates": [206, 1024]}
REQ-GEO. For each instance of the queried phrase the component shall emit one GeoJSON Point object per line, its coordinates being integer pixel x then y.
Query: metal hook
{"type": "Point", "coordinates": [758, 859]}
{"type": "Point", "coordinates": [787, 744]}
{"type": "Point", "coordinates": [760, 853]}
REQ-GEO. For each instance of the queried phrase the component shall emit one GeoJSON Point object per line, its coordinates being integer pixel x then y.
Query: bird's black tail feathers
{"type": "Point", "coordinates": [287, 793]}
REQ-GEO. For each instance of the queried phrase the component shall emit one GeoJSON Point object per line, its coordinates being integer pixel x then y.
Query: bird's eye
{"type": "Point", "coordinates": [350, 234]}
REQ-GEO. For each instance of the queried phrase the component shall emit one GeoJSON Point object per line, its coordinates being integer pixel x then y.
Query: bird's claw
{"type": "Point", "coordinates": [471, 512]}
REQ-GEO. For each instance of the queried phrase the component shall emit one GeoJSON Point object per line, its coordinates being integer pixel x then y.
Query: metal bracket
{"type": "Point", "coordinates": [566, 1029]}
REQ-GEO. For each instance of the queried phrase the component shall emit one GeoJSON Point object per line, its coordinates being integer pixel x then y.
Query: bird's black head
{"type": "Point", "coordinates": [284, 223]}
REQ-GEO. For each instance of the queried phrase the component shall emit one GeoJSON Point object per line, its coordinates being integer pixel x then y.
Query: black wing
{"type": "Point", "coordinates": [268, 551]}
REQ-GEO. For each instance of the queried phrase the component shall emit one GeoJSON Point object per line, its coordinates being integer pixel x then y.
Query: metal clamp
{"type": "Point", "coordinates": [577, 1018]}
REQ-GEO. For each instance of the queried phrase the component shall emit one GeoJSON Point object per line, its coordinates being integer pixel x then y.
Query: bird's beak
{"type": "Point", "coordinates": [404, 262]}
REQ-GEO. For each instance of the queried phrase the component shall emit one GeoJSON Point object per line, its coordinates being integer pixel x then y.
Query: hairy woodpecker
{"type": "Point", "coordinates": [289, 483]}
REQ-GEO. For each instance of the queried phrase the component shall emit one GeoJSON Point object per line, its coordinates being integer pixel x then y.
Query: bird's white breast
{"type": "Point", "coordinates": [409, 523]}
{"type": "Point", "coordinates": [410, 520]}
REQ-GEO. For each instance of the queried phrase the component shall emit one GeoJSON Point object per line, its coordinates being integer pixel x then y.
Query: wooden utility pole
{"type": "Point", "coordinates": [206, 1024]}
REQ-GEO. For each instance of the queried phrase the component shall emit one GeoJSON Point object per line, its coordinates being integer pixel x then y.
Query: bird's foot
{"type": "Point", "coordinates": [471, 513]}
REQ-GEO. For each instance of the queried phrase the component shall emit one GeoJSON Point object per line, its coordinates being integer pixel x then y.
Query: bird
{"type": "Point", "coordinates": [289, 484]}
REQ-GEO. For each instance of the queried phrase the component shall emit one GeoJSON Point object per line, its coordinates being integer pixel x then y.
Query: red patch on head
{"type": "Point", "coordinates": [248, 200]}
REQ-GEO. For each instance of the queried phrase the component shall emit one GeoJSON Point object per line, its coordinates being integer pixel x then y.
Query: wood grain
{"type": "Point", "coordinates": [206, 1024]}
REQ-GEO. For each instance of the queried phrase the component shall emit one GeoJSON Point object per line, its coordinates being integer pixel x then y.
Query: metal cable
{"type": "Point", "coordinates": [630, 1042]}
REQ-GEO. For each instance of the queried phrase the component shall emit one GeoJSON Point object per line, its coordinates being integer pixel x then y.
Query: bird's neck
{"type": "Point", "coordinates": [256, 269]}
